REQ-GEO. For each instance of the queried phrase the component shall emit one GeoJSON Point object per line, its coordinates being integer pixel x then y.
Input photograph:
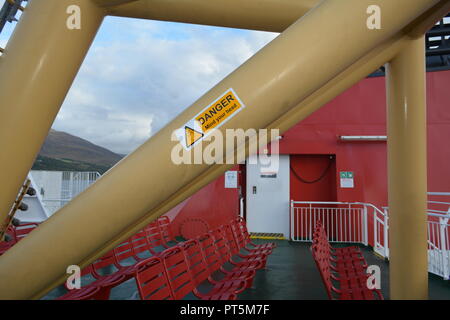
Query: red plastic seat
{"type": "Point", "coordinates": [152, 281]}
{"type": "Point", "coordinates": [86, 293]}
{"type": "Point", "coordinates": [141, 246]}
{"type": "Point", "coordinates": [16, 233]}
{"type": "Point", "coordinates": [242, 241]}
{"type": "Point", "coordinates": [257, 258]}
{"type": "Point", "coordinates": [183, 281]}
{"type": "Point", "coordinates": [155, 238]}
{"type": "Point", "coordinates": [242, 227]}
{"type": "Point", "coordinates": [348, 270]}
{"type": "Point", "coordinates": [198, 264]}
{"type": "Point", "coordinates": [99, 289]}
{"type": "Point", "coordinates": [166, 231]}
{"type": "Point", "coordinates": [113, 277]}
{"type": "Point", "coordinates": [24, 229]}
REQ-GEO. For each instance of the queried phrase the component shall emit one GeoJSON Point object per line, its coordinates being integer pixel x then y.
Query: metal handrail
{"type": "Point", "coordinates": [343, 203]}
{"type": "Point", "coordinates": [439, 258]}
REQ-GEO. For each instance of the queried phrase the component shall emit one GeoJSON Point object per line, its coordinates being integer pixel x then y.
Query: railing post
{"type": "Point", "coordinates": [291, 221]}
{"type": "Point", "coordinates": [444, 254]}
{"type": "Point", "coordinates": [365, 226]}
{"type": "Point", "coordinates": [386, 234]}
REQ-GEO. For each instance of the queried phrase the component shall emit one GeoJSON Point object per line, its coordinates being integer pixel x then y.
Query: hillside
{"type": "Point", "coordinates": [63, 151]}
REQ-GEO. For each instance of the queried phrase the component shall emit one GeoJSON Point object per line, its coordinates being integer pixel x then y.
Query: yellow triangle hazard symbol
{"type": "Point", "coordinates": [192, 136]}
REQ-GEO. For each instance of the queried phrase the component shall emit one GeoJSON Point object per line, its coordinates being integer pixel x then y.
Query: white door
{"type": "Point", "coordinates": [268, 197]}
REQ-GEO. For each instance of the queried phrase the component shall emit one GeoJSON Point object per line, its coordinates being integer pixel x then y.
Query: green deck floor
{"type": "Point", "coordinates": [291, 274]}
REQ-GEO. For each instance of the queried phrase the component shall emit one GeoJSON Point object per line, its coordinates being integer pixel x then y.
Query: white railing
{"type": "Point", "coordinates": [344, 222]}
{"type": "Point", "coordinates": [439, 245]}
{"type": "Point", "coordinates": [57, 188]}
{"type": "Point", "coordinates": [74, 182]}
{"type": "Point", "coordinates": [349, 222]}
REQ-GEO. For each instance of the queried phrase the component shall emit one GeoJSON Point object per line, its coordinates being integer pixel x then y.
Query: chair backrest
{"type": "Point", "coordinates": [140, 243]}
{"type": "Point", "coordinates": [107, 261]}
{"type": "Point", "coordinates": [212, 257]}
{"type": "Point", "coordinates": [11, 232]}
{"type": "Point", "coordinates": [231, 239]}
{"type": "Point", "coordinates": [238, 233]}
{"type": "Point", "coordinates": [322, 261]}
{"type": "Point", "coordinates": [165, 230]}
{"type": "Point", "coordinates": [151, 280]}
{"type": "Point", "coordinates": [196, 261]}
{"type": "Point", "coordinates": [178, 274]}
{"type": "Point", "coordinates": [242, 224]}
{"type": "Point", "coordinates": [321, 252]}
{"type": "Point", "coordinates": [154, 236]}
{"type": "Point", "coordinates": [320, 235]}
{"type": "Point", "coordinates": [222, 244]}
{"type": "Point", "coordinates": [23, 230]}
{"type": "Point", "coordinates": [124, 251]}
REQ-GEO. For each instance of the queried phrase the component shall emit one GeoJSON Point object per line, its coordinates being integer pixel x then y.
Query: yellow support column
{"type": "Point", "coordinates": [407, 169]}
{"type": "Point", "coordinates": [36, 71]}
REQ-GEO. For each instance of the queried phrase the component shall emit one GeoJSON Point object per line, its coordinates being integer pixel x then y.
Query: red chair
{"type": "Point", "coordinates": [217, 254]}
{"type": "Point", "coordinates": [257, 259]}
{"type": "Point", "coordinates": [183, 280]}
{"type": "Point", "coordinates": [198, 263]}
{"type": "Point", "coordinates": [99, 289]}
{"type": "Point", "coordinates": [242, 241]}
{"type": "Point", "coordinates": [166, 232]}
{"type": "Point", "coordinates": [86, 293]}
{"type": "Point", "coordinates": [24, 229]}
{"type": "Point", "coordinates": [155, 238]}
{"type": "Point", "coordinates": [152, 281]}
{"type": "Point", "coordinates": [242, 227]}
{"type": "Point", "coordinates": [141, 246]}
{"type": "Point", "coordinates": [348, 270]}
{"type": "Point", "coordinates": [16, 233]}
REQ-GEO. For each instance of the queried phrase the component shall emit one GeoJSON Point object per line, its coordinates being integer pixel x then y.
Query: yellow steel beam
{"type": "Point", "coordinates": [111, 3]}
{"type": "Point", "coordinates": [407, 168]}
{"type": "Point", "coordinates": [428, 19]}
{"type": "Point", "coordinates": [266, 15]}
{"type": "Point", "coordinates": [37, 68]}
{"type": "Point", "coordinates": [277, 82]}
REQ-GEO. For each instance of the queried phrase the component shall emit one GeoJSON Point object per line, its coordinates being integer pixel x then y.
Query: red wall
{"type": "Point", "coordinates": [207, 209]}
{"type": "Point", "coordinates": [313, 177]}
{"type": "Point", "coordinates": [360, 110]}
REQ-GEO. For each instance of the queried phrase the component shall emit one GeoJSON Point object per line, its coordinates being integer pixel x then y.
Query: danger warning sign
{"type": "Point", "coordinates": [212, 117]}
{"type": "Point", "coordinates": [192, 136]}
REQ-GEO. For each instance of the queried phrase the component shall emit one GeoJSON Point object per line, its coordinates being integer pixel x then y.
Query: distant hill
{"type": "Point", "coordinates": [63, 151]}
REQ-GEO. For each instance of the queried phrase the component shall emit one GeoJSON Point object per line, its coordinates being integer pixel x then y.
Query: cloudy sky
{"type": "Point", "coordinates": [139, 74]}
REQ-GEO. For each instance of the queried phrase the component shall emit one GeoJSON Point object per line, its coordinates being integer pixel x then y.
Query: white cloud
{"type": "Point", "coordinates": [140, 74]}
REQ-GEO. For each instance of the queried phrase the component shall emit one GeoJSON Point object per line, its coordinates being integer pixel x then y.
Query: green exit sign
{"type": "Point", "coordinates": [347, 175]}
